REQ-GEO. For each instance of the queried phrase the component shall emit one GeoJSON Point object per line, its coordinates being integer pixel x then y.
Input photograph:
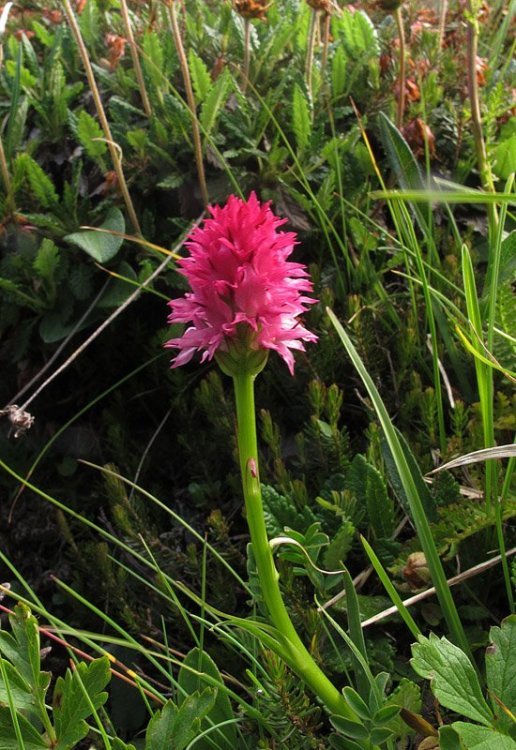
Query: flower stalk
{"type": "Point", "coordinates": [300, 659]}
{"type": "Point", "coordinates": [245, 300]}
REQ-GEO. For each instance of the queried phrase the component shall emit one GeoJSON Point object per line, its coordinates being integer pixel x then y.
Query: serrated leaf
{"type": "Point", "coordinates": [200, 75]}
{"type": "Point", "coordinates": [280, 512]}
{"type": "Point", "coordinates": [368, 485]}
{"type": "Point", "coordinates": [221, 710]}
{"type": "Point", "coordinates": [403, 163]}
{"type": "Point", "coordinates": [337, 551]}
{"type": "Point", "coordinates": [89, 132]}
{"type": "Point", "coordinates": [102, 246]}
{"type": "Point", "coordinates": [73, 698]}
{"type": "Point", "coordinates": [453, 680]}
{"type": "Point", "coordinates": [504, 158]}
{"type": "Point", "coordinates": [482, 738]}
{"type": "Point", "coordinates": [214, 101]}
{"type": "Point", "coordinates": [32, 739]}
{"type": "Point", "coordinates": [425, 496]}
{"type": "Point", "coordinates": [171, 182]}
{"type": "Point", "coordinates": [358, 34]}
{"type": "Point", "coordinates": [301, 119]}
{"type": "Point", "coordinates": [41, 185]}
{"type": "Point", "coordinates": [339, 72]}
{"type": "Point", "coordinates": [19, 688]}
{"type": "Point", "coordinates": [160, 728]}
{"type": "Point", "coordinates": [189, 717]}
{"type": "Point", "coordinates": [501, 668]}
{"type": "Point", "coordinates": [153, 58]}
{"type": "Point", "coordinates": [46, 261]}
{"type": "Point", "coordinates": [23, 647]}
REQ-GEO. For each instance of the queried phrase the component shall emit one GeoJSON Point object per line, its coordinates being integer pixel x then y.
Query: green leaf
{"type": "Point", "coordinates": [89, 132]}
{"type": "Point", "coordinates": [153, 61]}
{"type": "Point", "coordinates": [358, 34]}
{"type": "Point", "coordinates": [119, 289]}
{"type": "Point", "coordinates": [221, 710]}
{"type": "Point", "coordinates": [214, 101]}
{"type": "Point", "coordinates": [280, 512]}
{"type": "Point", "coordinates": [449, 739]}
{"type": "Point", "coordinates": [356, 703]}
{"type": "Point", "coordinates": [508, 258]}
{"type": "Point", "coordinates": [349, 728]}
{"type": "Point", "coordinates": [339, 72]}
{"type": "Point", "coordinates": [46, 261]}
{"type": "Point", "coordinates": [454, 682]}
{"type": "Point", "coordinates": [501, 668]}
{"type": "Point", "coordinates": [424, 493]}
{"type": "Point", "coordinates": [32, 739]}
{"type": "Point", "coordinates": [200, 75]}
{"type": "Point", "coordinates": [504, 158]}
{"type": "Point", "coordinates": [482, 738]}
{"type": "Point", "coordinates": [74, 697]}
{"type": "Point", "coordinates": [174, 728]}
{"type": "Point", "coordinates": [20, 689]}
{"type": "Point", "coordinates": [102, 246]}
{"type": "Point", "coordinates": [41, 185]}
{"type": "Point", "coordinates": [301, 119]}
{"type": "Point", "coordinates": [368, 485]}
{"type": "Point", "coordinates": [190, 714]}
{"type": "Point", "coordinates": [21, 648]}
{"type": "Point", "coordinates": [161, 727]}
{"type": "Point", "coordinates": [404, 165]}
{"type": "Point", "coordinates": [337, 551]}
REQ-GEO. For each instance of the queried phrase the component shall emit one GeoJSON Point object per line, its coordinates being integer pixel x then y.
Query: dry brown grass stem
{"type": "Point", "coordinates": [171, 11]}
{"type": "Point", "coordinates": [113, 150]}
{"type": "Point", "coordinates": [136, 60]}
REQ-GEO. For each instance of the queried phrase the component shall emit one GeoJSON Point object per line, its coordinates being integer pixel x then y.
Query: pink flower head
{"type": "Point", "coordinates": [243, 287]}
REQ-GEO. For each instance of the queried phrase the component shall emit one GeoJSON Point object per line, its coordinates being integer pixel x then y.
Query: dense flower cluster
{"type": "Point", "coordinates": [243, 288]}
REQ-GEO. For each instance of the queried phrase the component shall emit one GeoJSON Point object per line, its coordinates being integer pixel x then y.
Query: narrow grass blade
{"type": "Point", "coordinates": [418, 514]}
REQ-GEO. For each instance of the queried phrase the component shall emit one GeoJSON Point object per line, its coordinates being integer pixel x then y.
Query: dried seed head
{"type": "Point", "coordinates": [21, 420]}
{"type": "Point", "coordinates": [323, 5]}
{"type": "Point", "coordinates": [251, 8]}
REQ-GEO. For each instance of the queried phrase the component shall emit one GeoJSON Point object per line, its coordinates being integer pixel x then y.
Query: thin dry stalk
{"type": "Point", "coordinates": [183, 63]}
{"type": "Point", "coordinates": [402, 62]}
{"type": "Point", "coordinates": [309, 64]}
{"type": "Point", "coordinates": [109, 320]}
{"type": "Point", "coordinates": [136, 60]}
{"type": "Point", "coordinates": [114, 149]}
{"type": "Point", "coordinates": [470, 573]}
{"type": "Point", "coordinates": [326, 42]}
{"type": "Point", "coordinates": [247, 54]}
{"type": "Point", "coordinates": [442, 22]}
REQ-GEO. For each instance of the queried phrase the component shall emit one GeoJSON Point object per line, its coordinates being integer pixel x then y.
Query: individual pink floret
{"type": "Point", "coordinates": [240, 279]}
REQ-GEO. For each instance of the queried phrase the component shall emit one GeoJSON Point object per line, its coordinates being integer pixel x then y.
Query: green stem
{"type": "Point", "coordinates": [299, 657]}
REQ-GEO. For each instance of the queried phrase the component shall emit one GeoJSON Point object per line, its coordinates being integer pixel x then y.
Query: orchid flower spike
{"type": "Point", "coordinates": [246, 297]}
